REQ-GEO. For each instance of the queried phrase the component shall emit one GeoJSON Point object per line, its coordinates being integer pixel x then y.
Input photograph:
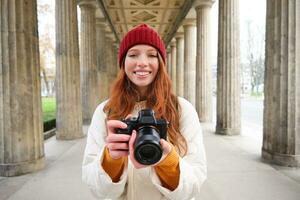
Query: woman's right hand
{"type": "Point", "coordinates": [117, 144]}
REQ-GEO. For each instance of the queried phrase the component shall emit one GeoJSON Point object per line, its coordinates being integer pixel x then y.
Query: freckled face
{"type": "Point", "coordinates": [141, 65]}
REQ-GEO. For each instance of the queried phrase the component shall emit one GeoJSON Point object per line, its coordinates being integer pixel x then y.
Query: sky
{"type": "Point", "coordinates": [250, 10]}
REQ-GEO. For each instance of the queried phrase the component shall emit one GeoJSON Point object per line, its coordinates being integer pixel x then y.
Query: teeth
{"type": "Point", "coordinates": [142, 73]}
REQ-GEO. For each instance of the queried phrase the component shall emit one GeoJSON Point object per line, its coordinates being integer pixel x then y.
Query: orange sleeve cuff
{"type": "Point", "coordinates": [113, 167]}
{"type": "Point", "coordinates": [168, 170]}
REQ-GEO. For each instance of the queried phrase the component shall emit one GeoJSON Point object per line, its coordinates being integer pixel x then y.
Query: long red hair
{"type": "Point", "coordinates": [160, 98]}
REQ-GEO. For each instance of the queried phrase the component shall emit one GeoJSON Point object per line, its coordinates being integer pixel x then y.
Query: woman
{"type": "Point", "coordinates": [109, 166]}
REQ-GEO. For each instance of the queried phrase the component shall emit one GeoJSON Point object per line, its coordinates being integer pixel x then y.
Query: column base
{"type": "Point", "coordinates": [17, 169]}
{"type": "Point", "coordinates": [280, 159]}
{"type": "Point", "coordinates": [68, 137]}
{"type": "Point", "coordinates": [228, 131]}
{"type": "Point", "coordinates": [86, 121]}
{"type": "Point", "coordinates": [63, 134]}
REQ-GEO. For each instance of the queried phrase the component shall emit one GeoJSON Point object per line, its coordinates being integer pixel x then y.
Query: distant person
{"type": "Point", "coordinates": [129, 159]}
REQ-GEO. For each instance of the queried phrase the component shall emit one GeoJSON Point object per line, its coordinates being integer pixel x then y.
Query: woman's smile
{"type": "Point", "coordinates": [142, 74]}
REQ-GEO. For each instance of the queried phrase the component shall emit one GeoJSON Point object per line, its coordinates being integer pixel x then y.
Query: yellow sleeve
{"type": "Point", "coordinates": [168, 170]}
{"type": "Point", "coordinates": [113, 167]}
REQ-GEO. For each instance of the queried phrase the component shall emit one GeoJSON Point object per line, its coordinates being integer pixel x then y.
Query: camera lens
{"type": "Point", "coordinates": [147, 151]}
{"type": "Point", "coordinates": [147, 147]}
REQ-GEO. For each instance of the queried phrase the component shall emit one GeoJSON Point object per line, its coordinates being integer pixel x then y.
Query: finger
{"type": "Point", "coordinates": [128, 116]}
{"type": "Point", "coordinates": [117, 146]}
{"type": "Point", "coordinates": [166, 146]}
{"type": "Point", "coordinates": [118, 154]}
{"type": "Point", "coordinates": [114, 124]}
{"type": "Point", "coordinates": [131, 141]}
{"type": "Point", "coordinates": [117, 138]}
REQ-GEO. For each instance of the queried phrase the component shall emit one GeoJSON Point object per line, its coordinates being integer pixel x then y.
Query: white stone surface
{"type": "Point", "coordinates": [235, 172]}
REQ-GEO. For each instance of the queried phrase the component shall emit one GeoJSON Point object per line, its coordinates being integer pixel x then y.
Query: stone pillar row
{"type": "Point", "coordinates": [21, 124]}
{"type": "Point", "coordinates": [98, 60]}
{"type": "Point", "coordinates": [190, 68]}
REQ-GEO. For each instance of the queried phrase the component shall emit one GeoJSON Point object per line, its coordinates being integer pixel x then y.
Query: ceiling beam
{"type": "Point", "coordinates": [105, 13]}
{"type": "Point", "coordinates": [185, 9]}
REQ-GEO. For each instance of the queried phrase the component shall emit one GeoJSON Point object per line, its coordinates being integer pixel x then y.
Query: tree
{"type": "Point", "coordinates": [46, 46]}
{"type": "Point", "coordinates": [255, 56]}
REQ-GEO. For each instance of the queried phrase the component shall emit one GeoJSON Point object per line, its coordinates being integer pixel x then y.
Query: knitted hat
{"type": "Point", "coordinates": [142, 34]}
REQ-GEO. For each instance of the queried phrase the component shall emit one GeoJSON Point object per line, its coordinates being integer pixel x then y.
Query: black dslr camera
{"type": "Point", "coordinates": [147, 149]}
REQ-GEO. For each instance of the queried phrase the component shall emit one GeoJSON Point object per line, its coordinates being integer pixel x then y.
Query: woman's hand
{"type": "Point", "coordinates": [117, 144]}
{"type": "Point", "coordinates": [166, 146]}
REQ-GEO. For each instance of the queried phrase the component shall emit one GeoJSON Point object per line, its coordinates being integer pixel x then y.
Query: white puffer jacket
{"type": "Point", "coordinates": [137, 184]}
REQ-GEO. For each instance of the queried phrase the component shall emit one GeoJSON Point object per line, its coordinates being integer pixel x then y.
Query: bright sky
{"type": "Point", "coordinates": [250, 10]}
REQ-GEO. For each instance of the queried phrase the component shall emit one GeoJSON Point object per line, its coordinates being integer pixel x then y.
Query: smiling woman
{"type": "Point", "coordinates": [141, 65]}
{"type": "Point", "coordinates": [156, 150]}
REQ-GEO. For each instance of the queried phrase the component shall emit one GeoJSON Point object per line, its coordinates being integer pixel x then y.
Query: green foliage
{"type": "Point", "coordinates": [257, 95]}
{"type": "Point", "coordinates": [50, 124]}
{"type": "Point", "coordinates": [49, 108]}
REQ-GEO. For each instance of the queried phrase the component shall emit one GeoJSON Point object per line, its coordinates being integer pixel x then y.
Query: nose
{"type": "Point", "coordinates": [142, 61]}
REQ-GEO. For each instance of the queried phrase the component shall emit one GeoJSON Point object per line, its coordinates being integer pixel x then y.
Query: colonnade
{"type": "Point", "coordinates": [281, 130]}
{"type": "Point", "coordinates": [82, 72]}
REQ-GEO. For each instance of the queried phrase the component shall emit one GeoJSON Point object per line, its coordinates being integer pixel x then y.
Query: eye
{"type": "Point", "coordinates": [153, 55]}
{"type": "Point", "coordinates": [131, 55]}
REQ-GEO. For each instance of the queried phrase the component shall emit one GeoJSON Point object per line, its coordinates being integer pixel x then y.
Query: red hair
{"type": "Point", "coordinates": [160, 98]}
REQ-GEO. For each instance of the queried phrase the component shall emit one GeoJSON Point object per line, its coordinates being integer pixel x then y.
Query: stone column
{"type": "Point", "coordinates": [169, 62]}
{"type": "Point", "coordinates": [109, 61]}
{"type": "Point", "coordinates": [115, 59]}
{"type": "Point", "coordinates": [68, 98]}
{"type": "Point", "coordinates": [173, 64]}
{"type": "Point", "coordinates": [228, 73]}
{"type": "Point", "coordinates": [101, 60]}
{"type": "Point", "coordinates": [281, 131]}
{"type": "Point", "coordinates": [179, 64]}
{"type": "Point", "coordinates": [189, 26]}
{"type": "Point", "coordinates": [203, 61]}
{"type": "Point", "coordinates": [88, 71]}
{"type": "Point", "coordinates": [21, 122]}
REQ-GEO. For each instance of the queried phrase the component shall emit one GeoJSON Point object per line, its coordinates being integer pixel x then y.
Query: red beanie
{"type": "Point", "coordinates": [142, 34]}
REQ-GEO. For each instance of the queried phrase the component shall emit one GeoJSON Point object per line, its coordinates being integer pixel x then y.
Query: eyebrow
{"type": "Point", "coordinates": [148, 50]}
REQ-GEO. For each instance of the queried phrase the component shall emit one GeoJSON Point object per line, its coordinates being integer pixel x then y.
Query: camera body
{"type": "Point", "coordinates": [147, 149]}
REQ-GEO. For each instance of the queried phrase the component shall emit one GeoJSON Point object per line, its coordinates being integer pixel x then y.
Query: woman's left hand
{"type": "Point", "coordinates": [166, 146]}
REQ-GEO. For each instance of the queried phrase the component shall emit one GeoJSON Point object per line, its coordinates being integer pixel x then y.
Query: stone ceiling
{"type": "Point", "coordinates": [163, 15]}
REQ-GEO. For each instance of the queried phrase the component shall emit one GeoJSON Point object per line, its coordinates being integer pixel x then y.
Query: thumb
{"type": "Point", "coordinates": [166, 146]}
{"type": "Point", "coordinates": [128, 116]}
{"type": "Point", "coordinates": [131, 141]}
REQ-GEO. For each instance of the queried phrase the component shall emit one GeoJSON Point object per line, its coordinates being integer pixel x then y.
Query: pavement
{"type": "Point", "coordinates": [235, 172]}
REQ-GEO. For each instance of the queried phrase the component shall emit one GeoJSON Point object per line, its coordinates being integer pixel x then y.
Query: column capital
{"type": "Point", "coordinates": [189, 22]}
{"type": "Point", "coordinates": [116, 45]}
{"type": "Point", "coordinates": [90, 3]}
{"type": "Point", "coordinates": [168, 49]}
{"type": "Point", "coordinates": [203, 3]}
{"type": "Point", "coordinates": [101, 22]}
{"type": "Point", "coordinates": [179, 35]}
{"type": "Point", "coordinates": [173, 43]}
{"type": "Point", "coordinates": [110, 36]}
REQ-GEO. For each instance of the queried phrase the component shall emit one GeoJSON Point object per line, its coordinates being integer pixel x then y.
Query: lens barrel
{"type": "Point", "coordinates": [147, 147]}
